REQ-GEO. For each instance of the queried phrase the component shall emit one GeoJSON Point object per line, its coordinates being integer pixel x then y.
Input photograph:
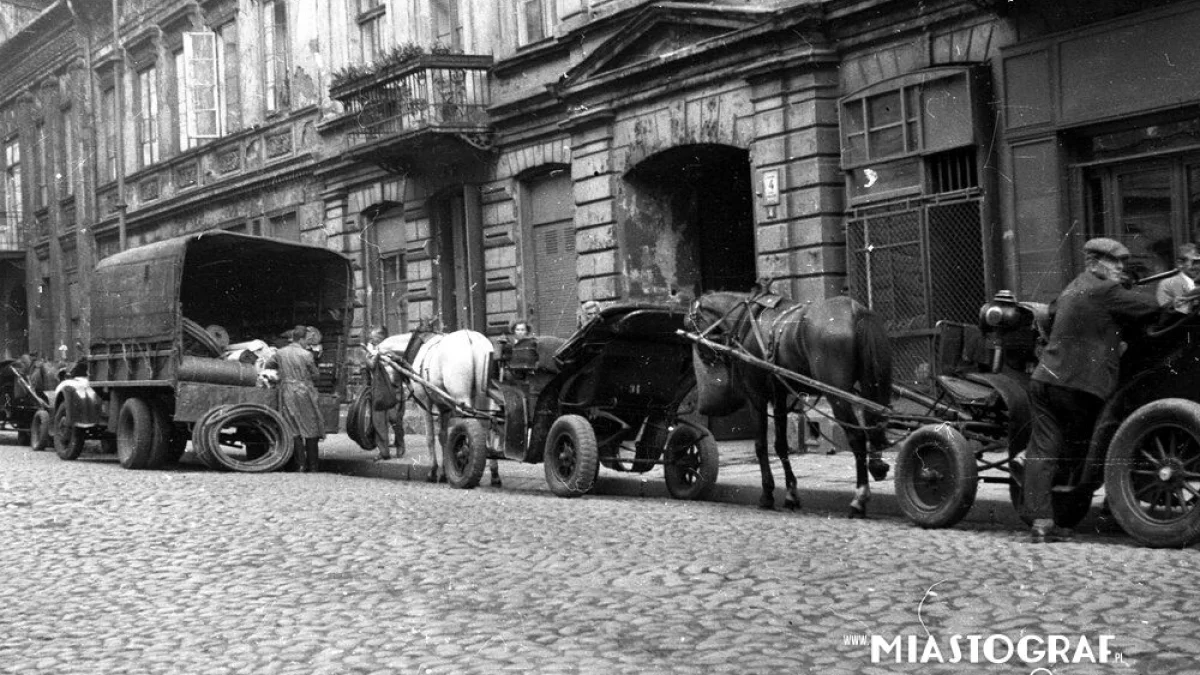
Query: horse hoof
{"type": "Point", "coordinates": [857, 513]}
{"type": "Point", "coordinates": [791, 505]}
{"type": "Point", "coordinates": [878, 468]}
{"type": "Point", "coordinates": [496, 482]}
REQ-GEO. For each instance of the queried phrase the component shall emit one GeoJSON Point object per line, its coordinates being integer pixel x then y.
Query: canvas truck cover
{"type": "Point", "coordinates": [136, 293]}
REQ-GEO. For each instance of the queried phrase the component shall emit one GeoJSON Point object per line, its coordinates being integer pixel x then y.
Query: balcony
{"type": "Point", "coordinates": [430, 108]}
{"type": "Point", "coordinates": [12, 236]}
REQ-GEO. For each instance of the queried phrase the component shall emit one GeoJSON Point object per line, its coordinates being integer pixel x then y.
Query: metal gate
{"type": "Point", "coordinates": [916, 262]}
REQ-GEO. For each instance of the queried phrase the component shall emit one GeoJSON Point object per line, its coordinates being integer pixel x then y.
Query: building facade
{"type": "Point", "coordinates": [484, 161]}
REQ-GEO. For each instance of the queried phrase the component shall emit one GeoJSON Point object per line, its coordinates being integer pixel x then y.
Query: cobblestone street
{"type": "Point", "coordinates": [192, 571]}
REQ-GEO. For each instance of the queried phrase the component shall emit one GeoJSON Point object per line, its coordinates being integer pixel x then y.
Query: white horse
{"type": "Point", "coordinates": [456, 363]}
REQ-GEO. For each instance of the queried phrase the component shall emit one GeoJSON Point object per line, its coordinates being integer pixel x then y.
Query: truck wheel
{"type": "Point", "coordinates": [68, 440]}
{"type": "Point", "coordinates": [571, 458]}
{"type": "Point", "coordinates": [692, 463]}
{"type": "Point", "coordinates": [1152, 471]}
{"type": "Point", "coordinates": [137, 435]}
{"type": "Point", "coordinates": [39, 430]}
{"type": "Point", "coordinates": [464, 453]}
{"type": "Point", "coordinates": [936, 476]}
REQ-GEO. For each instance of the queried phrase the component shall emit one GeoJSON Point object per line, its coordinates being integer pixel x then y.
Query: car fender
{"type": "Point", "coordinates": [83, 403]}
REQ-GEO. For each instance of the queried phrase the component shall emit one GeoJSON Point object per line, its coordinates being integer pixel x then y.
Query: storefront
{"type": "Point", "coordinates": [1103, 139]}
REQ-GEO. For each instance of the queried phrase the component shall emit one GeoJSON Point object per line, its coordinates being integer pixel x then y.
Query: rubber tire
{"type": "Point", "coordinates": [954, 494]}
{"type": "Point", "coordinates": [1122, 458]}
{"type": "Point", "coordinates": [692, 463]}
{"type": "Point", "coordinates": [68, 440]}
{"type": "Point", "coordinates": [140, 438]}
{"type": "Point", "coordinates": [465, 453]}
{"type": "Point", "coordinates": [571, 459]}
{"type": "Point", "coordinates": [39, 430]}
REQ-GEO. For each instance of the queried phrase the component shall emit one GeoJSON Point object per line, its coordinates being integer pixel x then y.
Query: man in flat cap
{"type": "Point", "coordinates": [1077, 373]}
{"type": "Point", "coordinates": [1173, 292]}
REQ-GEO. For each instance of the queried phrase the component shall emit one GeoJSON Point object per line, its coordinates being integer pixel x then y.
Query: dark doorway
{"type": "Point", "coordinates": [690, 230]}
{"type": "Point", "coordinates": [691, 221]}
{"type": "Point", "coordinates": [459, 269]}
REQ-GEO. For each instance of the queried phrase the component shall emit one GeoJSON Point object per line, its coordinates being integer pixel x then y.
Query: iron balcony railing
{"type": "Point", "coordinates": [432, 91]}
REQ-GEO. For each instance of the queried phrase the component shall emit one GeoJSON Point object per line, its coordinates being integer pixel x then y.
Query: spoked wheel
{"type": "Point", "coordinates": [1152, 474]}
{"type": "Point", "coordinates": [571, 459]}
{"type": "Point", "coordinates": [464, 453]}
{"type": "Point", "coordinates": [691, 464]}
{"type": "Point", "coordinates": [936, 476]}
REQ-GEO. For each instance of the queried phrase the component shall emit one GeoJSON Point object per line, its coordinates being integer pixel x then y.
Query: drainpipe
{"type": "Point", "coordinates": [119, 95]}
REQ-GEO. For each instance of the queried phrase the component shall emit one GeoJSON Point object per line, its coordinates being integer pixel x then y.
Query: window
{"type": "Point", "coordinates": [202, 91]}
{"type": "Point", "coordinates": [880, 126]}
{"type": "Point", "coordinates": [108, 105]}
{"type": "Point", "coordinates": [535, 20]}
{"type": "Point", "coordinates": [41, 192]}
{"type": "Point", "coordinates": [392, 267]}
{"type": "Point", "coordinates": [147, 116]}
{"type": "Point", "coordinates": [184, 138]}
{"type": "Point", "coordinates": [12, 185]}
{"type": "Point", "coordinates": [447, 31]}
{"type": "Point", "coordinates": [285, 226]}
{"type": "Point", "coordinates": [371, 15]}
{"type": "Point", "coordinates": [276, 55]}
{"type": "Point", "coordinates": [66, 171]}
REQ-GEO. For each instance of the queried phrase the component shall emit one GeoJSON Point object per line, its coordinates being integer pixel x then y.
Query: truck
{"type": "Point", "coordinates": [161, 369]}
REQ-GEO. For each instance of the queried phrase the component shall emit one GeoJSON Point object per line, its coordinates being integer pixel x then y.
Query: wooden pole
{"type": "Point", "coordinates": [803, 380]}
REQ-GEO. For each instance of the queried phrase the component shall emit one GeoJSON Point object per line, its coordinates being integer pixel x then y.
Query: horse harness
{"type": "Point", "coordinates": [752, 309]}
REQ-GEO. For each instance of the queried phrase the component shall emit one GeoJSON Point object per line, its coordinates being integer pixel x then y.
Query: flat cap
{"type": "Point", "coordinates": [1106, 247]}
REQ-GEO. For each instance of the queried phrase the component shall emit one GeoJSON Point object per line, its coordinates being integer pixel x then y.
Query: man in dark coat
{"type": "Point", "coordinates": [1077, 373]}
{"type": "Point", "coordinates": [298, 398]}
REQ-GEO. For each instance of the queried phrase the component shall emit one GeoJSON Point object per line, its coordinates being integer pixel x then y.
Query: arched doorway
{"type": "Point", "coordinates": [690, 230]}
{"type": "Point", "coordinates": [690, 223]}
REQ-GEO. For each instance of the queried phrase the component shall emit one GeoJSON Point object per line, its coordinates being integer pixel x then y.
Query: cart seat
{"type": "Point", "coordinates": [965, 392]}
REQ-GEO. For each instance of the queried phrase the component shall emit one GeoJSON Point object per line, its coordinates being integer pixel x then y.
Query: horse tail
{"type": "Point", "coordinates": [874, 356]}
{"type": "Point", "coordinates": [482, 350]}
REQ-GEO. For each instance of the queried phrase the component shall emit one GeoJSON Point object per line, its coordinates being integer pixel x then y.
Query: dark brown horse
{"type": "Point", "coordinates": [836, 341]}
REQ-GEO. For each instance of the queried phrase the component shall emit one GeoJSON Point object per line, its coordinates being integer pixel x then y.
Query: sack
{"type": "Point", "coordinates": [381, 388]}
{"type": "Point", "coordinates": [715, 393]}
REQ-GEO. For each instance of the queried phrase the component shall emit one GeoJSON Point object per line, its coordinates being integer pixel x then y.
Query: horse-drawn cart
{"type": "Point", "coordinates": [1145, 450]}
{"type": "Point", "coordinates": [614, 395]}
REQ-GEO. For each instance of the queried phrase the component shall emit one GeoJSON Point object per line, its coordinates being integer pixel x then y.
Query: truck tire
{"type": "Point", "coordinates": [68, 440]}
{"type": "Point", "coordinates": [39, 430]}
{"type": "Point", "coordinates": [571, 458]}
{"type": "Point", "coordinates": [138, 434]}
{"type": "Point", "coordinates": [465, 452]}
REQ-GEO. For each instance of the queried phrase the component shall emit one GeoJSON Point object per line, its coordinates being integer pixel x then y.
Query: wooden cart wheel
{"type": "Point", "coordinates": [1152, 474]}
{"type": "Point", "coordinates": [464, 454]}
{"type": "Point", "coordinates": [68, 440]}
{"type": "Point", "coordinates": [571, 458]}
{"type": "Point", "coordinates": [936, 476]}
{"type": "Point", "coordinates": [39, 430]}
{"type": "Point", "coordinates": [691, 464]}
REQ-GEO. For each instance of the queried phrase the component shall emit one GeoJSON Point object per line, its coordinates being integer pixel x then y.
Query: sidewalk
{"type": "Point", "coordinates": [826, 481]}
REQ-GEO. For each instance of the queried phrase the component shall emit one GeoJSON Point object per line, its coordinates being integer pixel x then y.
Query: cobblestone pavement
{"type": "Point", "coordinates": [196, 572]}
